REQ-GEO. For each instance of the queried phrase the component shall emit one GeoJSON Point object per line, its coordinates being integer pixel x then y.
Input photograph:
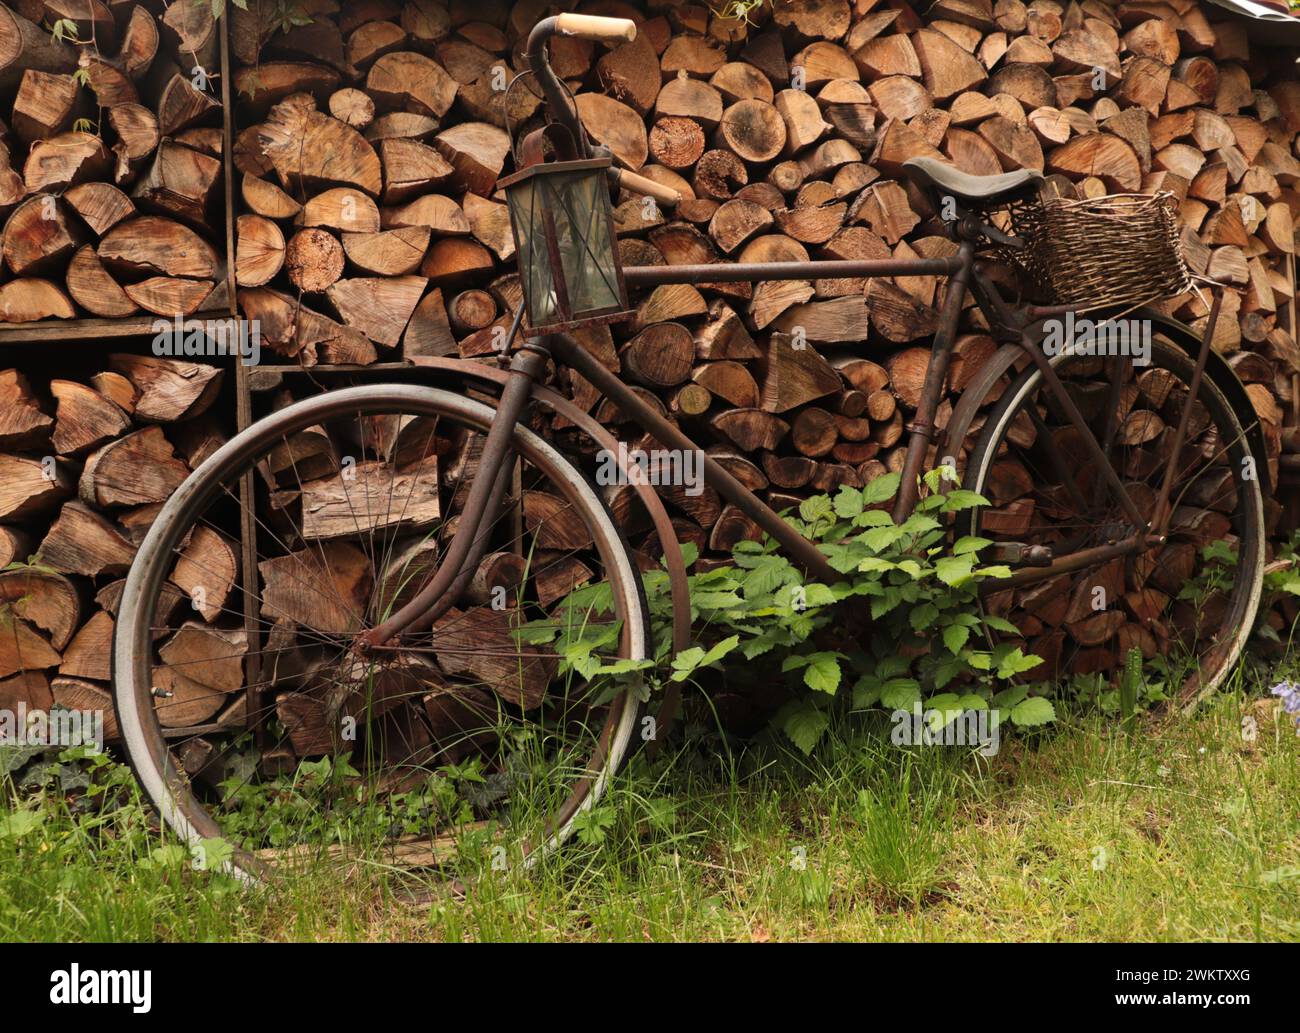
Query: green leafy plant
{"type": "Point", "coordinates": [928, 646]}
{"type": "Point", "coordinates": [65, 30]}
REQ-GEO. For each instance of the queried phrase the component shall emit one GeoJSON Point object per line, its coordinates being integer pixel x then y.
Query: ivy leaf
{"type": "Point", "coordinates": [805, 726]}
{"type": "Point", "coordinates": [1032, 712]}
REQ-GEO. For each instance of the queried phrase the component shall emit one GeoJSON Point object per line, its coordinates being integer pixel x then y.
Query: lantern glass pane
{"type": "Point", "coordinates": [576, 205]}
{"type": "Point", "coordinates": [581, 206]}
{"type": "Point", "coordinates": [526, 200]}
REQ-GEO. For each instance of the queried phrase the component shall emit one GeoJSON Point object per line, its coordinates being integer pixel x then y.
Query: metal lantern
{"type": "Point", "coordinates": [565, 243]}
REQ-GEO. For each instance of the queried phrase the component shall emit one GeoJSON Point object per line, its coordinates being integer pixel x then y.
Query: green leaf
{"type": "Point", "coordinates": [954, 570]}
{"type": "Point", "coordinates": [805, 727]}
{"type": "Point", "coordinates": [873, 518]}
{"type": "Point", "coordinates": [954, 637]}
{"type": "Point", "coordinates": [893, 666]}
{"type": "Point", "coordinates": [212, 854]}
{"type": "Point", "coordinates": [823, 673]}
{"type": "Point", "coordinates": [881, 489]}
{"type": "Point", "coordinates": [818, 507]}
{"type": "Point", "coordinates": [900, 693]}
{"type": "Point", "coordinates": [1010, 696]}
{"type": "Point", "coordinates": [17, 824]}
{"type": "Point", "coordinates": [1032, 712]}
{"type": "Point", "coordinates": [720, 650]}
{"type": "Point", "coordinates": [955, 501]}
{"type": "Point", "coordinates": [879, 538]}
{"type": "Point", "coordinates": [866, 692]}
{"type": "Point", "coordinates": [1016, 662]}
{"type": "Point", "coordinates": [848, 502]}
{"type": "Point", "coordinates": [923, 616]}
{"type": "Point", "coordinates": [1000, 624]}
{"type": "Point", "coordinates": [970, 543]}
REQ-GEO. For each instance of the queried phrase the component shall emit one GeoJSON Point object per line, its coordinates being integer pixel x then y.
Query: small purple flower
{"type": "Point", "coordinates": [1289, 693]}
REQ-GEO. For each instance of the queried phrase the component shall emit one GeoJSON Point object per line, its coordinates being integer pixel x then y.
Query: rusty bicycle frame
{"type": "Point", "coordinates": [1021, 325]}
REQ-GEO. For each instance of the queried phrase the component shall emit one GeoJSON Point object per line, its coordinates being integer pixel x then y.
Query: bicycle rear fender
{"type": "Point", "coordinates": [1216, 368]}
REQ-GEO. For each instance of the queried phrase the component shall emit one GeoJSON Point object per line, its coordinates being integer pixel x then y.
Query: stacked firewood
{"type": "Point", "coordinates": [110, 164]}
{"type": "Point", "coordinates": [372, 138]}
{"type": "Point", "coordinates": [85, 466]}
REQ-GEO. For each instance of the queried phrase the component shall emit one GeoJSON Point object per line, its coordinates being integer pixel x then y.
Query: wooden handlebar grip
{"type": "Point", "coordinates": [641, 185]}
{"type": "Point", "coordinates": [590, 26]}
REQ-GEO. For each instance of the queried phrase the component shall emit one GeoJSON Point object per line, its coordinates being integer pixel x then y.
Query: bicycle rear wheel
{"type": "Point", "coordinates": [354, 498]}
{"type": "Point", "coordinates": [1188, 605]}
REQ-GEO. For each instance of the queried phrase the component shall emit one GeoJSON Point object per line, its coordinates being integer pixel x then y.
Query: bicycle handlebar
{"type": "Point", "coordinates": [593, 27]}
{"type": "Point", "coordinates": [641, 185]}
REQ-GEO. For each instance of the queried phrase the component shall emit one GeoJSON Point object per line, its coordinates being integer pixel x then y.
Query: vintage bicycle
{"type": "Point", "coordinates": [367, 630]}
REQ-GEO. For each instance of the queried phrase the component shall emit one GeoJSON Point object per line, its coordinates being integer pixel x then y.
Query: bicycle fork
{"type": "Point", "coordinates": [486, 494]}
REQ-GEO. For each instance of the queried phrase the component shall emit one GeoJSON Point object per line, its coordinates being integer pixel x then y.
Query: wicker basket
{"type": "Point", "coordinates": [1122, 249]}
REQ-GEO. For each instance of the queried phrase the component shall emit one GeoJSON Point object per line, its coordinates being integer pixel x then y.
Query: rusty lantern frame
{"type": "Point", "coordinates": [532, 197]}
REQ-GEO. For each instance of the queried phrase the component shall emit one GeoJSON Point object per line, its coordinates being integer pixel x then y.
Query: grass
{"type": "Point", "coordinates": [1184, 830]}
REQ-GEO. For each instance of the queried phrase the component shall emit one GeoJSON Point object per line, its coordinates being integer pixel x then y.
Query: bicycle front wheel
{"type": "Point", "coordinates": [1188, 604]}
{"type": "Point", "coordinates": [352, 498]}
